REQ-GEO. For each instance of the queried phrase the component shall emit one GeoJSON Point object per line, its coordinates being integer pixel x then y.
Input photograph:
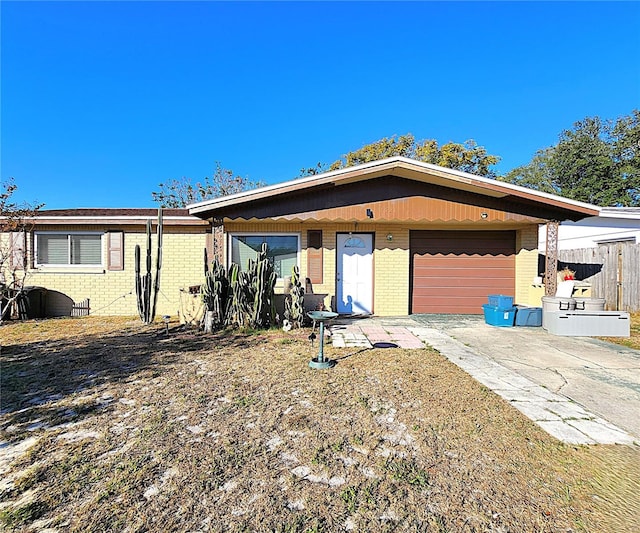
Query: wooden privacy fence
{"type": "Point", "coordinates": [613, 271]}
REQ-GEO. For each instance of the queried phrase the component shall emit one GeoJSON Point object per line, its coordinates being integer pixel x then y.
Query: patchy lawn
{"type": "Point", "coordinates": [634, 340]}
{"type": "Point", "coordinates": [110, 425]}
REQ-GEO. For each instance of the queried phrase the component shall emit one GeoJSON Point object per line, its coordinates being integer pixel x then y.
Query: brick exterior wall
{"type": "Point", "coordinates": [526, 265]}
{"type": "Point", "coordinates": [391, 260]}
{"type": "Point", "coordinates": [391, 271]}
{"type": "Point", "coordinates": [113, 292]}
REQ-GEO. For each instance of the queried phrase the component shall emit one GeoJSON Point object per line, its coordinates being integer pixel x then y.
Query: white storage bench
{"type": "Point", "coordinates": [588, 323]}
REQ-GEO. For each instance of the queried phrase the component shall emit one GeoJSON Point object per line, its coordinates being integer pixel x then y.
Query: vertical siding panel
{"type": "Point", "coordinates": [604, 284]}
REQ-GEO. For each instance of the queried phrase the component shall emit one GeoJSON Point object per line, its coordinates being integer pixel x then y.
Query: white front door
{"type": "Point", "coordinates": [354, 273]}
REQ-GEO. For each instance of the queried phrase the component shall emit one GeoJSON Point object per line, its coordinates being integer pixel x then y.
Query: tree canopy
{"type": "Point", "coordinates": [180, 193]}
{"type": "Point", "coordinates": [467, 157]}
{"type": "Point", "coordinates": [597, 161]}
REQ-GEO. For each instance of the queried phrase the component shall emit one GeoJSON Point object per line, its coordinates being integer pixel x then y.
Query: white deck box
{"type": "Point", "coordinates": [588, 323]}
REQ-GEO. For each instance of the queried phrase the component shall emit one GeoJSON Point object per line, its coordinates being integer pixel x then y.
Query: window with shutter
{"type": "Point", "coordinates": [115, 250]}
{"type": "Point", "coordinates": [282, 250]}
{"type": "Point", "coordinates": [68, 249]}
{"type": "Point", "coordinates": [314, 256]}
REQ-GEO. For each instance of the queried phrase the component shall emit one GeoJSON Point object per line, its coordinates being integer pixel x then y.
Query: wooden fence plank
{"type": "Point", "coordinates": [620, 263]}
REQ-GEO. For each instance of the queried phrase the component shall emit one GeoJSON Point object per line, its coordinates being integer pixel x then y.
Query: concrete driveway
{"type": "Point", "coordinates": [579, 389]}
{"type": "Point", "coordinates": [602, 377]}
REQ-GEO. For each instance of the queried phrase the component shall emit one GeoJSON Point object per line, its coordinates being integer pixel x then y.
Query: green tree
{"type": "Point", "coordinates": [625, 137]}
{"type": "Point", "coordinates": [467, 157]}
{"type": "Point", "coordinates": [596, 161]}
{"type": "Point", "coordinates": [180, 193]}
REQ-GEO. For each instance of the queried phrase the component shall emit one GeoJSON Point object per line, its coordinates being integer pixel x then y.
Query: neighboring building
{"type": "Point", "coordinates": [89, 253]}
{"type": "Point", "coordinates": [396, 236]}
{"type": "Point", "coordinates": [612, 225]}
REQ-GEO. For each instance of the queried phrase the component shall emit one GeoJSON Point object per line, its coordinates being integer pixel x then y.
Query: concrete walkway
{"type": "Point", "coordinates": [580, 390]}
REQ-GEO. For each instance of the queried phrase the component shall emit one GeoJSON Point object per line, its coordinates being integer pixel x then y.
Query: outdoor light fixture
{"type": "Point", "coordinates": [369, 213]}
{"type": "Point", "coordinates": [484, 215]}
{"type": "Point", "coordinates": [389, 237]}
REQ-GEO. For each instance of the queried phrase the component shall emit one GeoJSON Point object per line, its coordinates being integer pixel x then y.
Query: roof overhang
{"type": "Point", "coordinates": [403, 168]}
{"type": "Point", "coordinates": [114, 217]}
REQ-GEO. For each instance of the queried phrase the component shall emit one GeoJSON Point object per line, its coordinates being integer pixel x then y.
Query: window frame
{"type": "Point", "coordinates": [231, 235]}
{"type": "Point", "coordinates": [70, 265]}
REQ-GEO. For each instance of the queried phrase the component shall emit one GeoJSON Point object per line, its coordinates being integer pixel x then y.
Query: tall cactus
{"type": "Point", "coordinates": [264, 281]}
{"type": "Point", "coordinates": [240, 299]}
{"type": "Point", "coordinates": [148, 286]}
{"type": "Point", "coordinates": [294, 303]}
{"type": "Point", "coordinates": [156, 281]}
{"type": "Point", "coordinates": [215, 293]}
{"type": "Point", "coordinates": [238, 312]}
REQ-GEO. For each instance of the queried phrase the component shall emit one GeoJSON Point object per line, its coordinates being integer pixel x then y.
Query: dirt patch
{"type": "Point", "coordinates": [134, 430]}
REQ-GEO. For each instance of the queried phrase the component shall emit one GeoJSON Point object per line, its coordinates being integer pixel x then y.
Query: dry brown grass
{"type": "Point", "coordinates": [134, 430]}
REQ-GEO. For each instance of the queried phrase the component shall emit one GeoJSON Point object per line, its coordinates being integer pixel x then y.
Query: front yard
{"type": "Point", "coordinates": [109, 425]}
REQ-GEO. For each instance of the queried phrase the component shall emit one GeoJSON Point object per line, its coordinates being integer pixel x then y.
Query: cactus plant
{"type": "Point", "coordinates": [215, 293]}
{"type": "Point", "coordinates": [294, 303]}
{"type": "Point", "coordinates": [238, 309]}
{"type": "Point", "coordinates": [264, 280]}
{"type": "Point", "coordinates": [147, 287]}
{"type": "Point", "coordinates": [240, 299]}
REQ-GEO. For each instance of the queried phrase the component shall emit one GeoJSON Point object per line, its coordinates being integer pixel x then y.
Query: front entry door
{"type": "Point", "coordinates": [354, 273]}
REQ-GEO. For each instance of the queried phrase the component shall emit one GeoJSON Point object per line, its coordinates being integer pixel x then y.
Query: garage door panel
{"type": "Point", "coordinates": [463, 263]}
{"type": "Point", "coordinates": [459, 273]}
{"type": "Point", "coordinates": [443, 304]}
{"type": "Point", "coordinates": [463, 307]}
{"type": "Point", "coordinates": [453, 272]}
{"type": "Point", "coordinates": [470, 288]}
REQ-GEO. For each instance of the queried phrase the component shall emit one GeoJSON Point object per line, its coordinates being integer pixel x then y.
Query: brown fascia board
{"type": "Point", "coordinates": [401, 167]}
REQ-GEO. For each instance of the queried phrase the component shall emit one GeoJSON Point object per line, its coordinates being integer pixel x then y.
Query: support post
{"type": "Point", "coordinates": [551, 259]}
{"type": "Point", "coordinates": [217, 231]}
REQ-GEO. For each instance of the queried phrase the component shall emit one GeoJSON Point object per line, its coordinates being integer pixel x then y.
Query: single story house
{"type": "Point", "coordinates": [612, 225]}
{"type": "Point", "coordinates": [396, 236]}
{"type": "Point", "coordinates": [390, 237]}
{"type": "Point", "coordinates": [79, 254]}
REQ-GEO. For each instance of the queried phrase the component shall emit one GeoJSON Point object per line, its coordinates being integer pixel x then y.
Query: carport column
{"type": "Point", "coordinates": [551, 259]}
{"type": "Point", "coordinates": [217, 231]}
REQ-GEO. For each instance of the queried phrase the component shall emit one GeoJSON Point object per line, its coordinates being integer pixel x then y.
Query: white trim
{"type": "Point", "coordinates": [44, 216]}
{"type": "Point", "coordinates": [68, 265]}
{"type": "Point", "coordinates": [632, 213]}
{"type": "Point", "coordinates": [105, 220]}
{"type": "Point", "coordinates": [614, 240]}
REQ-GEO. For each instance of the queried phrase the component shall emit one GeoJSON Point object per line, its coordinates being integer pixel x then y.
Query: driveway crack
{"type": "Point", "coordinates": [564, 380]}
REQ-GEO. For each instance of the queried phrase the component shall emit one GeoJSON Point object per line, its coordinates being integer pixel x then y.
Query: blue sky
{"type": "Point", "coordinates": [101, 101]}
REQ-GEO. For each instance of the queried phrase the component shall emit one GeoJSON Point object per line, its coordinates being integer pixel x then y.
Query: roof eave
{"type": "Point", "coordinates": [447, 177]}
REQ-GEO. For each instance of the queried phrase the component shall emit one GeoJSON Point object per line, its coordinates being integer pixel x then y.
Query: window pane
{"type": "Point", "coordinates": [86, 249]}
{"type": "Point", "coordinates": [53, 249]}
{"type": "Point", "coordinates": [281, 249]}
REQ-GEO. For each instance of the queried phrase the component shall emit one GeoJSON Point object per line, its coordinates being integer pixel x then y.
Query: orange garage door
{"type": "Point", "coordinates": [455, 271]}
